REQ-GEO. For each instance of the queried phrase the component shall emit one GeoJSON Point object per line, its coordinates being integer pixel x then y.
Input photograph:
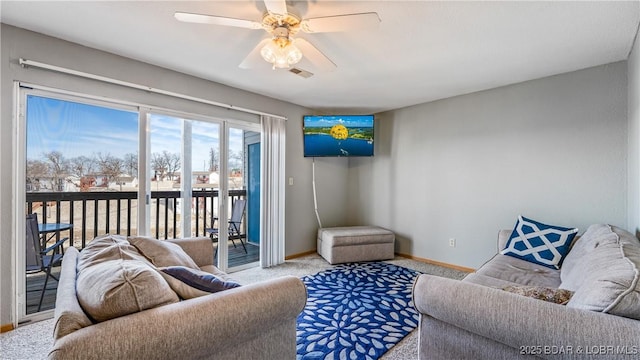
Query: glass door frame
{"type": "Point", "coordinates": [21, 94]}
{"type": "Point", "coordinates": [186, 167]}
{"type": "Point", "coordinates": [223, 258]}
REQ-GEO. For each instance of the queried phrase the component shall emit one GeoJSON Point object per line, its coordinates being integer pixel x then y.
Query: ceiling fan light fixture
{"type": "Point", "coordinates": [281, 54]}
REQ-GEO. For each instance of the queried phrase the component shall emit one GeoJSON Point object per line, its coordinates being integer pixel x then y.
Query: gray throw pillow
{"type": "Point", "coordinates": [190, 283]}
{"type": "Point", "coordinates": [577, 263]}
{"type": "Point", "coordinates": [105, 248]}
{"type": "Point", "coordinates": [116, 288]}
{"type": "Point", "coordinates": [162, 253]}
{"type": "Point", "coordinates": [611, 285]}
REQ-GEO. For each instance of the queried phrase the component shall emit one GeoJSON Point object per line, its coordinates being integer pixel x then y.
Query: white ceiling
{"type": "Point", "coordinates": [422, 51]}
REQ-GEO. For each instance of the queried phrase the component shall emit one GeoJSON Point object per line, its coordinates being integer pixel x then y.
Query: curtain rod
{"type": "Point", "coordinates": [36, 64]}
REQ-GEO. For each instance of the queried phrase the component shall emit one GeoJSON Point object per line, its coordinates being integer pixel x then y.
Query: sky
{"type": "Point", "coordinates": [346, 120]}
{"type": "Point", "coordinates": [76, 129]}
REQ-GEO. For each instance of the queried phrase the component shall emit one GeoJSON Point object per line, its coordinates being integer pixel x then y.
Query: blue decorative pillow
{"type": "Point", "coordinates": [189, 283]}
{"type": "Point", "coordinates": [539, 243]}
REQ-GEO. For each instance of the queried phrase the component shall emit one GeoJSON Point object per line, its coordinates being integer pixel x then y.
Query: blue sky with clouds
{"type": "Point", "coordinates": [76, 129]}
{"type": "Point", "coordinates": [346, 120]}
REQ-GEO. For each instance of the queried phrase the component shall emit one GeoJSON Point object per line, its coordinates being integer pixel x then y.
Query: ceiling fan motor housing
{"type": "Point", "coordinates": [275, 24]}
{"type": "Point", "coordinates": [281, 36]}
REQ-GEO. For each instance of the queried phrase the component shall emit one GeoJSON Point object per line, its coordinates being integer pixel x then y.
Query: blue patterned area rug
{"type": "Point", "coordinates": [355, 311]}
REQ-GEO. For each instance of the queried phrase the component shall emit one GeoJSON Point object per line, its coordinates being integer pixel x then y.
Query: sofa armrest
{"type": "Point", "coordinates": [69, 315]}
{"type": "Point", "coordinates": [503, 237]}
{"type": "Point", "coordinates": [201, 328]}
{"type": "Point", "coordinates": [520, 322]}
{"type": "Point", "coordinates": [200, 249]}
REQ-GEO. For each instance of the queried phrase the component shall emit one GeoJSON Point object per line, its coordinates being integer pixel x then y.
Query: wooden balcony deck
{"type": "Point", "coordinates": [237, 257]}
{"type": "Point", "coordinates": [34, 289]}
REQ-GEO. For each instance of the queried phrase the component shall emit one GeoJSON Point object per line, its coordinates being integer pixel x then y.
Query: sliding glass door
{"type": "Point", "coordinates": [196, 191]}
{"type": "Point", "coordinates": [183, 178]}
{"type": "Point", "coordinates": [80, 179]}
{"type": "Point", "coordinates": [243, 198]}
{"type": "Point", "coordinates": [89, 167]}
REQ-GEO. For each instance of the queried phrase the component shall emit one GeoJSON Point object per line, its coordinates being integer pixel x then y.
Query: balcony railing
{"type": "Point", "coordinates": [96, 213]}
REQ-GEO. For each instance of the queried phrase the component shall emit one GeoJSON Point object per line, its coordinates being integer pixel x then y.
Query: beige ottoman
{"type": "Point", "coordinates": [355, 243]}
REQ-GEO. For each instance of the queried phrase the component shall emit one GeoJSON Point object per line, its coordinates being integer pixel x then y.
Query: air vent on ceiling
{"type": "Point", "coordinates": [304, 73]}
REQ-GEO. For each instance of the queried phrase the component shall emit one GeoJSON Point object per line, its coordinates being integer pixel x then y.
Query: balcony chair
{"type": "Point", "coordinates": [38, 259]}
{"type": "Point", "coordinates": [237, 211]}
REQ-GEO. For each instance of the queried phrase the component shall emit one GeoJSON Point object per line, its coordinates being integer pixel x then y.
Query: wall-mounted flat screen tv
{"type": "Point", "coordinates": [338, 135]}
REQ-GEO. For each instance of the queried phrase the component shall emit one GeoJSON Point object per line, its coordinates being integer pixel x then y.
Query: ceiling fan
{"type": "Point", "coordinates": [281, 49]}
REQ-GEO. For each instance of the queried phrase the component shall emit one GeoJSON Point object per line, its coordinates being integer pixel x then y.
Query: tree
{"type": "Point", "coordinates": [110, 167]}
{"type": "Point", "coordinates": [165, 164]}
{"type": "Point", "coordinates": [173, 163]}
{"type": "Point", "coordinates": [82, 165]}
{"type": "Point", "coordinates": [36, 169]}
{"type": "Point", "coordinates": [159, 166]}
{"type": "Point", "coordinates": [235, 161]}
{"type": "Point", "coordinates": [214, 160]}
{"type": "Point", "coordinates": [131, 164]}
{"type": "Point", "coordinates": [58, 168]}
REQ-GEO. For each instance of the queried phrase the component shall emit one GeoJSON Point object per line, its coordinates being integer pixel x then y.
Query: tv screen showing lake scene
{"type": "Point", "coordinates": [338, 135]}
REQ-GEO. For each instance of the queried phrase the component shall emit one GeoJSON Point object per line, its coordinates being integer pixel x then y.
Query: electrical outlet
{"type": "Point", "coordinates": [452, 242]}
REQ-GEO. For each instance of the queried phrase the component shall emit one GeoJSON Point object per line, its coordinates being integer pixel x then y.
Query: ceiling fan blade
{"type": "Point", "coordinates": [315, 56]}
{"type": "Point", "coordinates": [254, 59]}
{"type": "Point", "coordinates": [277, 7]}
{"type": "Point", "coordinates": [216, 20]}
{"type": "Point", "coordinates": [363, 21]}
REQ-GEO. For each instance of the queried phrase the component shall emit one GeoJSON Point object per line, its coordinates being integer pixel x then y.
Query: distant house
{"type": "Point", "coordinates": [47, 183]}
{"type": "Point", "coordinates": [200, 177]}
{"type": "Point", "coordinates": [124, 181]}
{"type": "Point", "coordinates": [98, 180]}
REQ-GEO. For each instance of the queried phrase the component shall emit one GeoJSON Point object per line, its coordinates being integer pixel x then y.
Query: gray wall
{"type": "Point", "coordinates": [553, 149]}
{"type": "Point", "coordinates": [16, 43]}
{"type": "Point", "coordinates": [633, 69]}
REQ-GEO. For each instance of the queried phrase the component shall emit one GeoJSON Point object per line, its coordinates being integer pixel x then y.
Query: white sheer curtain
{"type": "Point", "coordinates": [272, 163]}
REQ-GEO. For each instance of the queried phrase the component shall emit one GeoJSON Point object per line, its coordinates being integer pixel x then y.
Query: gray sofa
{"type": "Point", "coordinates": [476, 319]}
{"type": "Point", "coordinates": [255, 321]}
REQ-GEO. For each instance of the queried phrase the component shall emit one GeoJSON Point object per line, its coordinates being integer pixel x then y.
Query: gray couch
{"type": "Point", "coordinates": [255, 321]}
{"type": "Point", "coordinates": [476, 319]}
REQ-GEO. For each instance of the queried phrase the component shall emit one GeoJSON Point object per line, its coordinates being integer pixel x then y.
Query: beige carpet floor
{"type": "Point", "coordinates": [32, 342]}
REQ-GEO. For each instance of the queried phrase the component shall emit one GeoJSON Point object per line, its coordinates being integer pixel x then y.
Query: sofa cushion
{"type": "Point", "coordinates": [212, 269]}
{"type": "Point", "coordinates": [520, 272]}
{"type": "Point", "coordinates": [105, 248]}
{"type": "Point", "coordinates": [581, 260]}
{"type": "Point", "coordinates": [611, 285]}
{"type": "Point", "coordinates": [539, 243]}
{"type": "Point", "coordinates": [487, 281]}
{"type": "Point", "coordinates": [162, 253]}
{"type": "Point", "coordinates": [554, 295]}
{"type": "Point", "coordinates": [190, 283]}
{"type": "Point", "coordinates": [114, 288]}
{"type": "Point", "coordinates": [115, 279]}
